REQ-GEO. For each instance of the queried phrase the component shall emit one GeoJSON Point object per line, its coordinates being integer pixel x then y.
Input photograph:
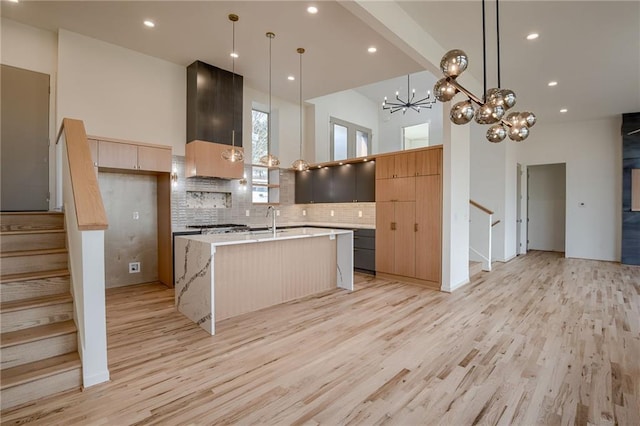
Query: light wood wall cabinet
{"type": "Point", "coordinates": [205, 159]}
{"type": "Point", "coordinates": [113, 155]}
{"type": "Point", "coordinates": [122, 155]}
{"type": "Point", "coordinates": [409, 216]}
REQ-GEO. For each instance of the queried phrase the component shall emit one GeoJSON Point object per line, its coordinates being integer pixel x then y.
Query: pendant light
{"type": "Point", "coordinates": [269, 160]}
{"type": "Point", "coordinates": [493, 105]}
{"type": "Point", "coordinates": [233, 154]}
{"type": "Point", "coordinates": [300, 165]}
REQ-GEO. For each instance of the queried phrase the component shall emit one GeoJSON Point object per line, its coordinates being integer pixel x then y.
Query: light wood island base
{"type": "Point", "coordinates": [223, 276]}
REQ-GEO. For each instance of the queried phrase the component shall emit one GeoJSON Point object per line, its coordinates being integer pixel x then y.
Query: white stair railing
{"type": "Point", "coordinates": [481, 223]}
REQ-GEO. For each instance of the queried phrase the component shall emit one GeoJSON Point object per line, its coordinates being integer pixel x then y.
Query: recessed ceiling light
{"type": "Point", "coordinates": [533, 36]}
{"type": "Point", "coordinates": [319, 167]}
{"type": "Point", "coordinates": [552, 83]}
{"type": "Point", "coordinates": [291, 78]}
{"type": "Point", "coordinates": [233, 55]}
{"type": "Point", "coordinates": [340, 163]}
{"type": "Point", "coordinates": [149, 24]}
{"type": "Point", "coordinates": [364, 159]}
{"type": "Point", "coordinates": [312, 10]}
{"type": "Point", "coordinates": [372, 49]}
{"type": "Point", "coordinates": [563, 110]}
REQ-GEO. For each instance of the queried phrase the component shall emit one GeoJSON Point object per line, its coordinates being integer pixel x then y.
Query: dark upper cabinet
{"type": "Point", "coordinates": [344, 183]}
{"type": "Point", "coordinates": [322, 183]}
{"type": "Point", "coordinates": [304, 187]}
{"type": "Point", "coordinates": [339, 184]}
{"type": "Point", "coordinates": [210, 92]}
{"type": "Point", "coordinates": [365, 181]}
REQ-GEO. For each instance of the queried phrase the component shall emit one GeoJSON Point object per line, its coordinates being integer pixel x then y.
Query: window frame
{"type": "Point", "coordinates": [351, 138]}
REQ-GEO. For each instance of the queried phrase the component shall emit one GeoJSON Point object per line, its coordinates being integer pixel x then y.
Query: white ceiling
{"type": "Point", "coordinates": [591, 48]}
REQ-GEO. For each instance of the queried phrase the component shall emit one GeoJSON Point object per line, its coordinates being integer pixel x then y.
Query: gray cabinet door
{"type": "Point", "coordinates": [25, 140]}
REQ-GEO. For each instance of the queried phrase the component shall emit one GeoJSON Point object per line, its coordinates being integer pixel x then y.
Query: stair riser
{"type": "Point", "coordinates": [39, 241]}
{"type": "Point", "coordinates": [33, 317]}
{"type": "Point", "coordinates": [41, 388]}
{"type": "Point", "coordinates": [26, 222]}
{"type": "Point", "coordinates": [34, 263]}
{"type": "Point", "coordinates": [38, 350]}
{"type": "Point", "coordinates": [33, 288]}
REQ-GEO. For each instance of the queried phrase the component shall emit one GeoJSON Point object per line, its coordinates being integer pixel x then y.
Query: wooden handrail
{"type": "Point", "coordinates": [480, 206]}
{"type": "Point", "coordinates": [90, 212]}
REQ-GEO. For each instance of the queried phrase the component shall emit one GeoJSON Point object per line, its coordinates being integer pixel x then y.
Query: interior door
{"type": "Point", "coordinates": [546, 207]}
{"type": "Point", "coordinates": [24, 114]}
{"type": "Point", "coordinates": [519, 209]}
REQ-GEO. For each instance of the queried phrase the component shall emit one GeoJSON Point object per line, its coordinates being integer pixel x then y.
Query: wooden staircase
{"type": "Point", "coordinates": [38, 344]}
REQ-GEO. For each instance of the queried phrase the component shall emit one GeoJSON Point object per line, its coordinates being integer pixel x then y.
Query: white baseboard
{"type": "Point", "coordinates": [95, 379]}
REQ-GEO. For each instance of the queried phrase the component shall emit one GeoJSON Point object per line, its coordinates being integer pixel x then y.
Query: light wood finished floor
{"type": "Point", "coordinates": [540, 340]}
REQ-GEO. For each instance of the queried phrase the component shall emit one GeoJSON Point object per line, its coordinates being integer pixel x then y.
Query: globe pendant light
{"type": "Point", "coordinates": [269, 160]}
{"type": "Point", "coordinates": [493, 106]}
{"type": "Point", "coordinates": [300, 165]}
{"type": "Point", "coordinates": [233, 154]}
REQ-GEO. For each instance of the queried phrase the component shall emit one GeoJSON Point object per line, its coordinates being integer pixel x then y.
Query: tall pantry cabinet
{"type": "Point", "coordinates": [409, 216]}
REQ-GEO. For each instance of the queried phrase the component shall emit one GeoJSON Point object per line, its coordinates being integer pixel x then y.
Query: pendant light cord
{"type": "Point", "coordinates": [498, 40]}
{"type": "Point", "coordinates": [269, 121]}
{"type": "Point", "coordinates": [484, 55]}
{"type": "Point", "coordinates": [233, 84]}
{"type": "Point", "coordinates": [301, 51]}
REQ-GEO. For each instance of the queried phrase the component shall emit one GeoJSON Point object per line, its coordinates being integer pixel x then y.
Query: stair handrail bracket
{"type": "Point", "coordinates": [480, 235]}
{"type": "Point", "coordinates": [78, 194]}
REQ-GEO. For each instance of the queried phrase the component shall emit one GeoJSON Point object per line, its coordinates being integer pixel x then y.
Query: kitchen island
{"type": "Point", "coordinates": [225, 275]}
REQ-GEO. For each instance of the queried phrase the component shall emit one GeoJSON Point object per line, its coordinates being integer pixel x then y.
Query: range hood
{"type": "Point", "coordinates": [214, 96]}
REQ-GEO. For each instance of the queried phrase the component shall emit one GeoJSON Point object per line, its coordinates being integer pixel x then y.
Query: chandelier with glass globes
{"type": "Point", "coordinates": [492, 108]}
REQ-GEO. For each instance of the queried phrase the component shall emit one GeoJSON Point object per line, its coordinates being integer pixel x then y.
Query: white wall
{"type": "Point", "coordinates": [592, 151]}
{"type": "Point", "coordinates": [390, 126]}
{"type": "Point", "coordinates": [455, 208]}
{"type": "Point", "coordinates": [120, 93]}
{"type": "Point", "coordinates": [36, 50]}
{"type": "Point", "coordinates": [347, 105]}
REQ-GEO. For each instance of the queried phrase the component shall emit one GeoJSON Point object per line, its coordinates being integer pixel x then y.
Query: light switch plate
{"type": "Point", "coordinates": [136, 215]}
{"type": "Point", "coordinates": [359, 213]}
{"type": "Point", "coordinates": [246, 213]}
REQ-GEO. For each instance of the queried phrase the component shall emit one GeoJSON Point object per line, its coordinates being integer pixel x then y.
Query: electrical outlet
{"type": "Point", "coordinates": [277, 212]}
{"type": "Point", "coordinates": [332, 213]}
{"type": "Point", "coordinates": [359, 213]}
{"type": "Point", "coordinates": [304, 212]}
{"type": "Point", "coordinates": [136, 215]}
{"type": "Point", "coordinates": [246, 213]}
{"type": "Point", "coordinates": [134, 267]}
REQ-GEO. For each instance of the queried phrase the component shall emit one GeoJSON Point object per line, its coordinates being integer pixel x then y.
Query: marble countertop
{"type": "Point", "coordinates": [263, 236]}
{"type": "Point", "coordinates": [296, 224]}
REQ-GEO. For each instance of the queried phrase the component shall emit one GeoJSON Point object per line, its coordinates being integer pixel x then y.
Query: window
{"type": "Point", "coordinates": [264, 182]}
{"type": "Point", "coordinates": [348, 140]}
{"type": "Point", "coordinates": [416, 136]}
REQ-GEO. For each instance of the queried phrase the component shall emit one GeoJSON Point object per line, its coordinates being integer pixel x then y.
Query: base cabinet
{"type": "Point", "coordinates": [364, 250]}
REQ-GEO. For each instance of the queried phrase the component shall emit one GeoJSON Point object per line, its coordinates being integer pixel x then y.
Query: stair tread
{"type": "Point", "coordinates": [35, 302]}
{"type": "Point", "coordinates": [25, 276]}
{"type": "Point", "coordinates": [39, 369]}
{"type": "Point", "coordinates": [34, 231]}
{"type": "Point", "coordinates": [32, 334]}
{"type": "Point", "coordinates": [32, 252]}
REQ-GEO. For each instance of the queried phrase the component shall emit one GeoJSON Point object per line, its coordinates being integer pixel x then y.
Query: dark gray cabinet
{"type": "Point", "coordinates": [214, 104]}
{"type": "Point", "coordinates": [338, 184]}
{"type": "Point", "coordinates": [364, 250]}
{"type": "Point", "coordinates": [344, 183]}
{"type": "Point", "coordinates": [304, 187]}
{"type": "Point", "coordinates": [365, 182]}
{"type": "Point", "coordinates": [322, 183]}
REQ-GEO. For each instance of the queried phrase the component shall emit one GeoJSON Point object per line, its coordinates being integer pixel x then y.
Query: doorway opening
{"type": "Point", "coordinates": [416, 136]}
{"type": "Point", "coordinates": [546, 207]}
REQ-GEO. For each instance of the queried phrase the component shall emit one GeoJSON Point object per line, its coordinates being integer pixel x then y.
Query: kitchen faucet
{"type": "Point", "coordinates": [273, 219]}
